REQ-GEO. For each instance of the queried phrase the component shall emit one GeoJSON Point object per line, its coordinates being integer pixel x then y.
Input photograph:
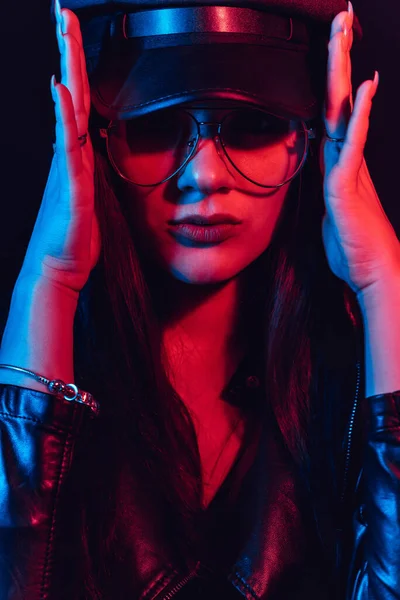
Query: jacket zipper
{"type": "Point", "coordinates": [339, 528]}
{"type": "Point", "coordinates": [178, 586]}
{"type": "Point", "coordinates": [350, 434]}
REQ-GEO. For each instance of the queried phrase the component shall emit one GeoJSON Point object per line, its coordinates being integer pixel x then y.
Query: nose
{"type": "Point", "coordinates": [208, 170]}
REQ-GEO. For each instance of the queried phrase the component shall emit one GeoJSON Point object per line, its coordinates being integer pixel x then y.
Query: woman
{"type": "Point", "coordinates": [225, 340]}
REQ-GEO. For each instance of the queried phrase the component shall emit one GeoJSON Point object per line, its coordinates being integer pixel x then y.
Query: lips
{"type": "Point", "coordinates": [203, 230]}
{"type": "Point", "coordinates": [206, 220]}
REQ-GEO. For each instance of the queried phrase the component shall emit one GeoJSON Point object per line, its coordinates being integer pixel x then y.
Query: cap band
{"type": "Point", "coordinates": [213, 19]}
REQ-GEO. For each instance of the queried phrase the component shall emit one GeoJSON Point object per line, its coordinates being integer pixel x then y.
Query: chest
{"type": "Point", "coordinates": [220, 441]}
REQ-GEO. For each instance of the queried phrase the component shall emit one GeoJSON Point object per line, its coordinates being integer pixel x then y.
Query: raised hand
{"type": "Point", "coordinates": [360, 243]}
{"type": "Point", "coordinates": [65, 243]}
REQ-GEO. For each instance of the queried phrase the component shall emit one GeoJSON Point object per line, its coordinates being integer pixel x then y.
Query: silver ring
{"type": "Point", "coordinates": [82, 139]}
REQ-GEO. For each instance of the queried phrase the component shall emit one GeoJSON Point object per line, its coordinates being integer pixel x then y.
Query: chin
{"type": "Point", "coordinates": [195, 278]}
{"type": "Point", "coordinates": [202, 271]}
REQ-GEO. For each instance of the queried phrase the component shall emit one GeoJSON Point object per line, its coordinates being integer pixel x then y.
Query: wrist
{"type": "Point", "coordinates": [38, 335]}
{"type": "Point", "coordinates": [381, 296]}
{"type": "Point", "coordinates": [380, 309]}
{"type": "Point", "coordinates": [27, 282]}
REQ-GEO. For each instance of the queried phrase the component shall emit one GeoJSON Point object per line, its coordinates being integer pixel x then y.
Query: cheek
{"type": "Point", "coordinates": [262, 224]}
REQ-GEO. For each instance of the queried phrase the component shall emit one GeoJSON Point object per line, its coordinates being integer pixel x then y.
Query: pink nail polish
{"type": "Point", "coordinates": [376, 80]}
{"type": "Point", "coordinates": [350, 9]}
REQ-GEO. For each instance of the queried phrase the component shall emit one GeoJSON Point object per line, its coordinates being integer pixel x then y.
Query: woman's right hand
{"type": "Point", "coordinates": [65, 244]}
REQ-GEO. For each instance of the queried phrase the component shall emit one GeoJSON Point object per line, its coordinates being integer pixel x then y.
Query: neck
{"type": "Point", "coordinates": [205, 332]}
{"type": "Point", "coordinates": [205, 320]}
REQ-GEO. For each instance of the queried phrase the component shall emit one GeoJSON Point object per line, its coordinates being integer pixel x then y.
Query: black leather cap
{"type": "Point", "coordinates": [143, 55]}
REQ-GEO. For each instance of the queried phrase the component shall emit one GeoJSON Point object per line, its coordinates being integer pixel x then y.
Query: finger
{"type": "Point", "coordinates": [68, 150]}
{"type": "Point", "coordinates": [85, 80]}
{"type": "Point", "coordinates": [69, 22]}
{"type": "Point", "coordinates": [349, 64]}
{"type": "Point", "coordinates": [349, 75]}
{"type": "Point", "coordinates": [352, 154]}
{"type": "Point", "coordinates": [75, 30]}
{"type": "Point", "coordinates": [337, 109]}
{"type": "Point", "coordinates": [71, 75]}
{"type": "Point", "coordinates": [368, 186]}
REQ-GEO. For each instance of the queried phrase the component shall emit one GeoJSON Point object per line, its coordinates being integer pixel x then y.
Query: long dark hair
{"type": "Point", "coordinates": [144, 429]}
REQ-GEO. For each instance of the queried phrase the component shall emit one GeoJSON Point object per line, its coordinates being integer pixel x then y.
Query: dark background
{"type": "Point", "coordinates": [29, 56]}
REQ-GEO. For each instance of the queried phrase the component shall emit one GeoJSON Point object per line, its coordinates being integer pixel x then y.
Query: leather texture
{"type": "Point", "coordinates": [41, 550]}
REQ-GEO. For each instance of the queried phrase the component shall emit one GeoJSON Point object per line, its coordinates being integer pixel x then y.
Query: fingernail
{"type": "Point", "coordinates": [350, 8]}
{"type": "Point", "coordinates": [57, 9]}
{"type": "Point", "coordinates": [53, 84]}
{"type": "Point", "coordinates": [60, 17]}
{"type": "Point", "coordinates": [375, 82]}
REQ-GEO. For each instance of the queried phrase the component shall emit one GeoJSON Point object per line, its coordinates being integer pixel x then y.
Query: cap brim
{"type": "Point", "coordinates": [134, 83]}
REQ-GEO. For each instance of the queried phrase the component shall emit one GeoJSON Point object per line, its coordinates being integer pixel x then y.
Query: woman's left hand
{"type": "Point", "coordinates": [361, 245]}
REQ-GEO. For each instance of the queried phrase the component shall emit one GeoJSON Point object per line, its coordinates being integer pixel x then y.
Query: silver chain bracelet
{"type": "Point", "coordinates": [63, 391]}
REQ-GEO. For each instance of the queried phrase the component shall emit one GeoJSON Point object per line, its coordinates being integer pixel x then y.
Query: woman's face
{"type": "Point", "coordinates": [207, 186]}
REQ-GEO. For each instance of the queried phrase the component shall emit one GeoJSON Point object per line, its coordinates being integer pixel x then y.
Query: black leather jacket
{"type": "Point", "coordinates": [39, 435]}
